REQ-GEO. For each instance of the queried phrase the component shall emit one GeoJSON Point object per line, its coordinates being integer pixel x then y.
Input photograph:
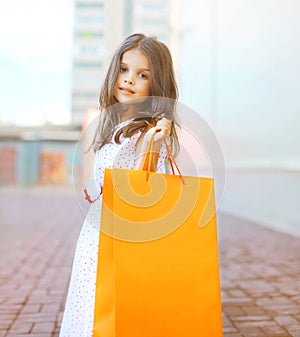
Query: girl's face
{"type": "Point", "coordinates": [133, 81]}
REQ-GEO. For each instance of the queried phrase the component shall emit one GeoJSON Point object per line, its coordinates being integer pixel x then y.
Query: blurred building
{"type": "Point", "coordinates": [99, 27]}
{"type": "Point", "coordinates": [43, 156]}
{"type": "Point", "coordinates": [8, 164]}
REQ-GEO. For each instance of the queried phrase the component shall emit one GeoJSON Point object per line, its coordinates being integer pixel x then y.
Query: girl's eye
{"type": "Point", "coordinates": [143, 75]}
{"type": "Point", "coordinates": [123, 69]}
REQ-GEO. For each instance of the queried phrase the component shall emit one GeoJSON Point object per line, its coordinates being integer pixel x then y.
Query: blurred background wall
{"type": "Point", "coordinates": [239, 68]}
{"type": "Point", "coordinates": [237, 64]}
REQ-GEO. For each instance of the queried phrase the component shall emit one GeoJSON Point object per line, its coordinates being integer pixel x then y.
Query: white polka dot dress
{"type": "Point", "coordinates": [79, 310]}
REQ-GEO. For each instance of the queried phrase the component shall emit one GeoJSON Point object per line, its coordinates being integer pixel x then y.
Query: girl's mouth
{"type": "Point", "coordinates": [126, 90]}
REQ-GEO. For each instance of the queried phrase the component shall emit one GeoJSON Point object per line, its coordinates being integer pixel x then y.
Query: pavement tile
{"type": "Point", "coordinates": [31, 308]}
{"type": "Point", "coordinates": [8, 317]}
{"type": "Point", "coordinates": [226, 321]}
{"type": "Point", "coordinates": [235, 311]}
{"type": "Point", "coordinates": [228, 329]}
{"type": "Point", "coordinates": [50, 308]}
{"type": "Point", "coordinates": [284, 309]}
{"type": "Point", "coordinates": [5, 325]}
{"type": "Point", "coordinates": [274, 331]}
{"type": "Point", "coordinates": [236, 301]}
{"type": "Point", "coordinates": [45, 328]}
{"type": "Point", "coordinates": [250, 318]}
{"type": "Point", "coordinates": [21, 327]}
{"type": "Point", "coordinates": [15, 300]}
{"type": "Point", "coordinates": [252, 332]}
{"type": "Point", "coordinates": [287, 321]}
{"type": "Point", "coordinates": [253, 310]}
{"type": "Point", "coordinates": [247, 324]}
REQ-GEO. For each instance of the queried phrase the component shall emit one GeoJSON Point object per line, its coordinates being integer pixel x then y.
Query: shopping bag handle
{"type": "Point", "coordinates": [173, 162]}
{"type": "Point", "coordinates": [149, 154]}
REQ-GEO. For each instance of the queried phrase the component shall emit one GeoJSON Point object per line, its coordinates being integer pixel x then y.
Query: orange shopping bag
{"type": "Point", "coordinates": [158, 270]}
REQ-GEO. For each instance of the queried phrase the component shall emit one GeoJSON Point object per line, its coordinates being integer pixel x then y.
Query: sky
{"type": "Point", "coordinates": [35, 61]}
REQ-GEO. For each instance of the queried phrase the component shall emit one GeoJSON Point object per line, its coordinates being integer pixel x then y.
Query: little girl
{"type": "Point", "coordinates": [137, 99]}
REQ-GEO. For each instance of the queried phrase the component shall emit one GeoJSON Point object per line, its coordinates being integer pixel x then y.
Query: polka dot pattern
{"type": "Point", "coordinates": [79, 311]}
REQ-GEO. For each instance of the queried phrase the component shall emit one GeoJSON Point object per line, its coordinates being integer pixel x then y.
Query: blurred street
{"type": "Point", "coordinates": [260, 270]}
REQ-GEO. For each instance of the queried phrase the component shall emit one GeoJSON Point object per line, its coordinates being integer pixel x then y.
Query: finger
{"type": "Point", "coordinates": [163, 121]}
{"type": "Point", "coordinates": [166, 128]}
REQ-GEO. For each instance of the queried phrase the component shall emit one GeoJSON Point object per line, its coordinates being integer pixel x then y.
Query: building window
{"type": "Point", "coordinates": [89, 5]}
{"type": "Point", "coordinates": [84, 64]}
{"type": "Point", "coordinates": [89, 20]}
{"type": "Point", "coordinates": [128, 16]}
{"type": "Point", "coordinates": [83, 50]}
{"type": "Point", "coordinates": [152, 9]}
{"type": "Point", "coordinates": [88, 35]}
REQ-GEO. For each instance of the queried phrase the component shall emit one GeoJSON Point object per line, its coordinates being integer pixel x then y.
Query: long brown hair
{"type": "Point", "coordinates": [161, 102]}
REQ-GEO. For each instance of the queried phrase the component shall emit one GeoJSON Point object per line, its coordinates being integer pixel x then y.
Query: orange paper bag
{"type": "Point", "coordinates": [158, 270]}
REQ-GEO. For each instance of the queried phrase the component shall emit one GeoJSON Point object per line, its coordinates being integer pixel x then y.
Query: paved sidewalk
{"type": "Point", "coordinates": [260, 280]}
{"type": "Point", "coordinates": [260, 268]}
{"type": "Point", "coordinates": [34, 277]}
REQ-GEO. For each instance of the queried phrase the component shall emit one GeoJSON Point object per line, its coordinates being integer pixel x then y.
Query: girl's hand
{"type": "Point", "coordinates": [162, 130]}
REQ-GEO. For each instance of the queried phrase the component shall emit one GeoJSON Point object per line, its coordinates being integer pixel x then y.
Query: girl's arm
{"type": "Point", "coordinates": [162, 131]}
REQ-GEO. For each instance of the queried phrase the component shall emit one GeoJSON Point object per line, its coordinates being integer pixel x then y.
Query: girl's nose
{"type": "Point", "coordinates": [129, 80]}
